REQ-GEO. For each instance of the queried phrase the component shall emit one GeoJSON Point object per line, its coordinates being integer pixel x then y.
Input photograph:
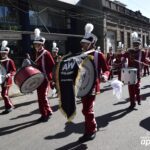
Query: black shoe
{"type": "Point", "coordinates": [7, 111]}
{"type": "Point", "coordinates": [132, 106]}
{"type": "Point", "coordinates": [87, 137]}
{"type": "Point", "coordinates": [144, 75]}
{"type": "Point", "coordinates": [139, 102]}
{"type": "Point", "coordinates": [43, 119]}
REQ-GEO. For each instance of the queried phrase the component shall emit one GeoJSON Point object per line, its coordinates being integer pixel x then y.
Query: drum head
{"type": "Point", "coordinates": [86, 78]}
{"type": "Point", "coordinates": [2, 74]}
{"type": "Point", "coordinates": [32, 83]}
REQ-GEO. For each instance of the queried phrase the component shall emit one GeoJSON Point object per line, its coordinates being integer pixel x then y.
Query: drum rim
{"type": "Point", "coordinates": [28, 78]}
{"type": "Point", "coordinates": [22, 69]}
{"type": "Point", "coordinates": [94, 68]}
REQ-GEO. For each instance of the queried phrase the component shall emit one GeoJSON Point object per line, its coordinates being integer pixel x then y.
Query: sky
{"type": "Point", "coordinates": [70, 1]}
{"type": "Point", "coordinates": [142, 5]}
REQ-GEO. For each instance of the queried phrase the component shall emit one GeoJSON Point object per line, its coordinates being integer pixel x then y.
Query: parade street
{"type": "Point", "coordinates": [119, 128]}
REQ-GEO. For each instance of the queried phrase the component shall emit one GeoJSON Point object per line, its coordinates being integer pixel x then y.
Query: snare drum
{"type": "Point", "coordinates": [129, 75]}
{"type": "Point", "coordinates": [2, 74]}
{"type": "Point", "coordinates": [28, 79]}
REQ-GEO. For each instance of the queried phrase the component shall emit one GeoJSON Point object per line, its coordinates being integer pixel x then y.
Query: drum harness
{"type": "Point", "coordinates": [42, 63]}
{"type": "Point", "coordinates": [79, 57]}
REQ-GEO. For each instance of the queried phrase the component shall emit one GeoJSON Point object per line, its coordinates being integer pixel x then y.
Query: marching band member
{"type": "Point", "coordinates": [45, 64]}
{"type": "Point", "coordinates": [147, 55]}
{"type": "Point", "coordinates": [120, 60]}
{"type": "Point", "coordinates": [56, 58]}
{"type": "Point", "coordinates": [136, 59]}
{"type": "Point", "coordinates": [110, 58]}
{"type": "Point", "coordinates": [88, 45]}
{"type": "Point", "coordinates": [10, 68]}
{"type": "Point", "coordinates": [98, 69]}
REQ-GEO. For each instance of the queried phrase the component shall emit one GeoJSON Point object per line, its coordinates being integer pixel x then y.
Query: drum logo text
{"type": "Point", "coordinates": [68, 65]}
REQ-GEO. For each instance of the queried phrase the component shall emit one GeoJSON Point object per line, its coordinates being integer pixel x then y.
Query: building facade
{"type": "Point", "coordinates": [64, 23]}
{"type": "Point", "coordinates": [120, 22]}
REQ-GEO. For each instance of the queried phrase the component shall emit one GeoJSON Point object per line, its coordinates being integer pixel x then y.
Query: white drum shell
{"type": "Point", "coordinates": [32, 83]}
{"type": "Point", "coordinates": [129, 75]}
{"type": "Point", "coordinates": [2, 74]}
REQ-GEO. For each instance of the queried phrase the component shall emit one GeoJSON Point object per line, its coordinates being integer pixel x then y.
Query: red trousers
{"type": "Point", "coordinates": [134, 92]}
{"type": "Point", "coordinates": [42, 92]}
{"type": "Point", "coordinates": [4, 93]}
{"type": "Point", "coordinates": [146, 70]}
{"type": "Point", "coordinates": [88, 112]}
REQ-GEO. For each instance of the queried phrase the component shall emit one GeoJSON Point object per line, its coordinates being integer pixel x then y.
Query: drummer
{"type": "Point", "coordinates": [88, 44]}
{"type": "Point", "coordinates": [10, 68]}
{"type": "Point", "coordinates": [45, 64]}
{"type": "Point", "coordinates": [136, 59]}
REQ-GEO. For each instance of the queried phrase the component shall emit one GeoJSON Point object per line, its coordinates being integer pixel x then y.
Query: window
{"type": "Point", "coordinates": [33, 17]}
{"type": "Point", "coordinates": [8, 15]}
{"type": "Point", "coordinates": [122, 36]}
{"type": "Point", "coordinates": [143, 39]}
{"type": "Point", "coordinates": [128, 40]}
{"type": "Point", "coordinates": [48, 18]}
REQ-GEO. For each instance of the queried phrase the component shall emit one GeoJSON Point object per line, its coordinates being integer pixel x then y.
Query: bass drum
{"type": "Point", "coordinates": [28, 79]}
{"type": "Point", "coordinates": [2, 74]}
{"type": "Point", "coordinates": [86, 77]}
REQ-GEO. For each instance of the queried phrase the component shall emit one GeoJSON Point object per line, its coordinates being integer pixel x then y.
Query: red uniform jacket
{"type": "Point", "coordinates": [135, 59]}
{"type": "Point", "coordinates": [110, 58]}
{"type": "Point", "coordinates": [45, 63]}
{"type": "Point", "coordinates": [10, 70]}
{"type": "Point", "coordinates": [101, 64]}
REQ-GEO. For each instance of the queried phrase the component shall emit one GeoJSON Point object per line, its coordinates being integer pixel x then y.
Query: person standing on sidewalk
{"type": "Point", "coordinates": [10, 69]}
{"type": "Point", "coordinates": [45, 63]}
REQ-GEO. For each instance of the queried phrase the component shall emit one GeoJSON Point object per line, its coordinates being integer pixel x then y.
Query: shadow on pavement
{"type": "Point", "coordinates": [103, 121]}
{"type": "Point", "coordinates": [146, 87]}
{"type": "Point", "coordinates": [145, 96]}
{"type": "Point", "coordinates": [145, 123]}
{"type": "Point", "coordinates": [22, 104]}
{"type": "Point", "coordinates": [122, 102]}
{"type": "Point", "coordinates": [105, 89]}
{"type": "Point", "coordinates": [17, 127]}
{"type": "Point", "coordinates": [73, 146]}
{"type": "Point", "coordinates": [54, 108]}
{"type": "Point", "coordinates": [70, 128]}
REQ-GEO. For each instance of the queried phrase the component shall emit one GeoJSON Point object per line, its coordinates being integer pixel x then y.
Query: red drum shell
{"type": "Point", "coordinates": [24, 74]}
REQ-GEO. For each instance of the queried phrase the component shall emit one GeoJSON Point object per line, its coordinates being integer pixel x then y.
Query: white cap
{"type": "Point", "coordinates": [135, 38]}
{"type": "Point", "coordinates": [89, 37]}
{"type": "Point", "coordinates": [4, 48]}
{"type": "Point", "coordinates": [55, 48]}
{"type": "Point", "coordinates": [38, 39]}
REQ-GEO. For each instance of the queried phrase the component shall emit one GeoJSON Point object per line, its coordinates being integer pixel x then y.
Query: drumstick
{"type": "Point", "coordinates": [141, 63]}
{"type": "Point", "coordinates": [80, 55]}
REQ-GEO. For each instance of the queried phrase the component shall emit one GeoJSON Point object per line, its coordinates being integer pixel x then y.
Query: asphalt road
{"type": "Point", "coordinates": [119, 129]}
